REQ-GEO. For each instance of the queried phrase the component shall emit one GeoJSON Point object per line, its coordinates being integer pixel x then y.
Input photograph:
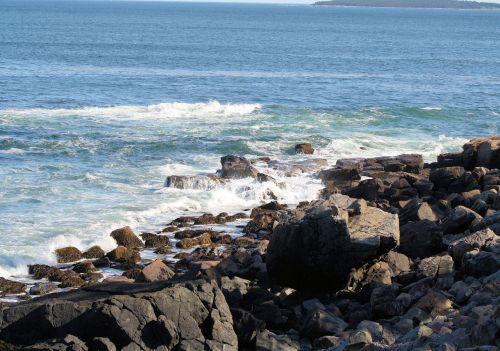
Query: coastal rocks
{"type": "Point", "coordinates": [197, 182]}
{"type": "Point", "coordinates": [151, 317]}
{"type": "Point", "coordinates": [304, 148]}
{"type": "Point", "coordinates": [11, 287]}
{"type": "Point", "coordinates": [127, 257]}
{"type": "Point", "coordinates": [43, 288]}
{"type": "Point", "coordinates": [68, 278]}
{"type": "Point", "coordinates": [156, 270]}
{"type": "Point", "coordinates": [421, 239]}
{"type": "Point", "coordinates": [337, 179]}
{"type": "Point", "coordinates": [126, 237]}
{"type": "Point", "coordinates": [68, 254]}
{"type": "Point", "coordinates": [237, 167]}
{"type": "Point", "coordinates": [318, 252]}
{"type": "Point", "coordinates": [482, 152]}
{"type": "Point", "coordinates": [94, 252]}
{"type": "Point", "coordinates": [155, 240]}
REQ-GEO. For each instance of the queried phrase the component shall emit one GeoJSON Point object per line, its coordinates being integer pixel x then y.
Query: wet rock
{"type": "Point", "coordinates": [102, 262]}
{"type": "Point", "coordinates": [262, 178]}
{"type": "Point", "coordinates": [186, 243]}
{"type": "Point", "coordinates": [68, 254]}
{"type": "Point", "coordinates": [155, 240]}
{"type": "Point", "coordinates": [318, 252]}
{"type": "Point", "coordinates": [304, 148]}
{"type": "Point", "coordinates": [11, 287]}
{"type": "Point", "coordinates": [156, 270]}
{"type": "Point", "coordinates": [198, 182]}
{"type": "Point", "coordinates": [43, 288]}
{"type": "Point", "coordinates": [126, 237]}
{"type": "Point", "coordinates": [84, 267]}
{"type": "Point", "coordinates": [94, 252]}
{"type": "Point", "coordinates": [421, 239]}
{"type": "Point", "coordinates": [237, 167]}
{"type": "Point", "coordinates": [337, 179]}
{"type": "Point", "coordinates": [262, 221]}
{"type": "Point", "coordinates": [128, 257]}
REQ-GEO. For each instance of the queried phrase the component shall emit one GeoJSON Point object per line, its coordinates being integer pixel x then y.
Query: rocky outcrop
{"type": "Point", "coordinates": [318, 252]}
{"type": "Point", "coordinates": [126, 237]}
{"type": "Point", "coordinates": [237, 167]}
{"type": "Point", "coordinates": [304, 148]}
{"type": "Point", "coordinates": [482, 152]}
{"type": "Point", "coordinates": [182, 315]}
{"type": "Point", "coordinates": [200, 182]}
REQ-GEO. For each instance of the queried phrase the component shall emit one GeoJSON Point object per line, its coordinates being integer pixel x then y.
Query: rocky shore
{"type": "Point", "coordinates": [394, 254]}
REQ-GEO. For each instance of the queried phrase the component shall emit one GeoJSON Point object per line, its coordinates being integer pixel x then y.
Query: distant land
{"type": "Point", "coordinates": [426, 4]}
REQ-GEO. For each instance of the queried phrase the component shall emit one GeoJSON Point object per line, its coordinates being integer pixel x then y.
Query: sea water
{"type": "Point", "coordinates": [100, 101]}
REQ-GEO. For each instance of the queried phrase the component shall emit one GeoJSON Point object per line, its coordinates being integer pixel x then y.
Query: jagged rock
{"type": "Point", "coordinates": [262, 221]}
{"type": "Point", "coordinates": [482, 152]}
{"type": "Point", "coordinates": [304, 148]}
{"type": "Point", "coordinates": [68, 254]}
{"type": "Point", "coordinates": [443, 177]}
{"type": "Point", "coordinates": [421, 239]}
{"type": "Point", "coordinates": [492, 221]}
{"type": "Point", "coordinates": [481, 263]}
{"type": "Point", "coordinates": [198, 182]}
{"type": "Point", "coordinates": [125, 237]}
{"type": "Point", "coordinates": [123, 255]}
{"type": "Point", "coordinates": [186, 243]}
{"type": "Point", "coordinates": [131, 316]}
{"type": "Point", "coordinates": [459, 219]}
{"type": "Point", "coordinates": [11, 287]}
{"type": "Point", "coordinates": [459, 247]}
{"type": "Point", "coordinates": [94, 252]}
{"type": "Point", "coordinates": [318, 252]}
{"type": "Point", "coordinates": [339, 178]}
{"type": "Point", "coordinates": [320, 322]}
{"type": "Point", "coordinates": [398, 262]}
{"type": "Point", "coordinates": [415, 210]}
{"type": "Point", "coordinates": [84, 267]}
{"type": "Point", "coordinates": [237, 167]}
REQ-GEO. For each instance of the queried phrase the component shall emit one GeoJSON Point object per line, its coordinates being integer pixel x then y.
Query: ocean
{"type": "Point", "coordinates": [101, 101]}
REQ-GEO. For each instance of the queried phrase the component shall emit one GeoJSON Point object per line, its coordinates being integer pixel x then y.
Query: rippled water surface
{"type": "Point", "coordinates": [100, 101]}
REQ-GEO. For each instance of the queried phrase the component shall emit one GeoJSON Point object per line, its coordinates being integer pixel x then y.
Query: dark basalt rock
{"type": "Point", "coordinates": [237, 167]}
{"type": "Point", "coordinates": [137, 316]}
{"type": "Point", "coordinates": [318, 252]}
{"type": "Point", "coordinates": [421, 239]}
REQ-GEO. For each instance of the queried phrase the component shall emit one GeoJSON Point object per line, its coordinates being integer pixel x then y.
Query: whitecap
{"type": "Point", "coordinates": [12, 151]}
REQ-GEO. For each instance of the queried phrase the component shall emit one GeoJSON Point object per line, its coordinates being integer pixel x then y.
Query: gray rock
{"type": "Point", "coordinates": [318, 252]}
{"type": "Point", "coordinates": [421, 239]}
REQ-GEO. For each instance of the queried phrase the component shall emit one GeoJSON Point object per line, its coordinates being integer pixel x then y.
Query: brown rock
{"type": "Point", "coordinates": [118, 279]}
{"type": "Point", "coordinates": [156, 270]}
{"type": "Point", "coordinates": [482, 152]}
{"type": "Point", "coordinates": [68, 254]}
{"type": "Point", "coordinates": [11, 287]}
{"type": "Point", "coordinates": [94, 252]}
{"type": "Point", "coordinates": [125, 237]}
{"type": "Point", "coordinates": [304, 148]}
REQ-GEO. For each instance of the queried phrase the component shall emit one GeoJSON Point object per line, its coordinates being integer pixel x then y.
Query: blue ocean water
{"type": "Point", "coordinates": [100, 101]}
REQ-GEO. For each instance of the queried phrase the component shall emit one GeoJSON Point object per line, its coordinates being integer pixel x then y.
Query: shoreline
{"type": "Point", "coordinates": [401, 225]}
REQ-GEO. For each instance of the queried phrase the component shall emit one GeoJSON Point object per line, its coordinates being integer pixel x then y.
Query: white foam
{"type": "Point", "coordinates": [169, 110]}
{"type": "Point", "coordinates": [431, 108]}
{"type": "Point", "coordinates": [12, 151]}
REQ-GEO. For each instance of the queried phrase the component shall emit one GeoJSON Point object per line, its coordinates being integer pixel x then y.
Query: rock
{"type": "Point", "coordinates": [155, 240]}
{"type": "Point", "coordinates": [102, 344]}
{"type": "Point", "coordinates": [421, 239]}
{"type": "Point", "coordinates": [121, 254]}
{"type": "Point", "coordinates": [118, 279]}
{"type": "Point", "coordinates": [319, 251]}
{"type": "Point", "coordinates": [481, 263]}
{"type": "Point", "coordinates": [84, 267]}
{"type": "Point", "coordinates": [415, 210]}
{"type": "Point", "coordinates": [304, 148]}
{"type": "Point", "coordinates": [459, 247]}
{"type": "Point", "coordinates": [68, 254]}
{"type": "Point", "coordinates": [450, 160]}
{"type": "Point", "coordinates": [43, 288]}
{"type": "Point", "coordinates": [11, 287]}
{"type": "Point", "coordinates": [126, 237]}
{"type": "Point", "coordinates": [198, 182]}
{"type": "Point", "coordinates": [156, 270]}
{"type": "Point", "coordinates": [246, 326]}
{"type": "Point", "coordinates": [267, 340]}
{"type": "Point", "coordinates": [491, 221]}
{"type": "Point", "coordinates": [326, 342]}
{"type": "Point", "coordinates": [443, 177]}
{"type": "Point", "coordinates": [320, 323]}
{"type": "Point", "coordinates": [384, 302]}
{"type": "Point", "coordinates": [482, 152]}
{"type": "Point", "coordinates": [262, 221]}
{"type": "Point", "coordinates": [151, 316]}
{"type": "Point", "coordinates": [94, 252]}
{"type": "Point", "coordinates": [186, 243]}
{"type": "Point", "coordinates": [237, 167]}
{"type": "Point", "coordinates": [459, 219]}
{"type": "Point", "coordinates": [337, 179]}
{"type": "Point", "coordinates": [397, 262]}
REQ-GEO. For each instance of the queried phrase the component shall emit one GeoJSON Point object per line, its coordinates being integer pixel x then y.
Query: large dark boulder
{"type": "Point", "coordinates": [237, 167]}
{"type": "Point", "coordinates": [421, 239]}
{"type": "Point", "coordinates": [126, 237]}
{"type": "Point", "coordinates": [318, 252]}
{"type": "Point", "coordinates": [148, 316]}
{"type": "Point", "coordinates": [482, 152]}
